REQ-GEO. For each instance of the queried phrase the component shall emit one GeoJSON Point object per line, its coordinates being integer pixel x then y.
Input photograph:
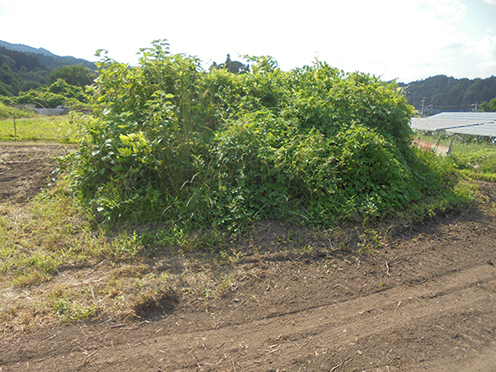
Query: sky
{"type": "Point", "coordinates": [404, 40]}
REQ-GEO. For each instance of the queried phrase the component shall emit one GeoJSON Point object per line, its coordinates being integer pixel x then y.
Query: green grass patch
{"type": "Point", "coordinates": [53, 231]}
{"type": "Point", "coordinates": [9, 112]}
{"type": "Point", "coordinates": [472, 156]}
{"type": "Point", "coordinates": [38, 128]}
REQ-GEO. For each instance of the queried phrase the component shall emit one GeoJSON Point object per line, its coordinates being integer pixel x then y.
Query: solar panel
{"type": "Point", "coordinates": [478, 130]}
{"type": "Point", "coordinates": [475, 123]}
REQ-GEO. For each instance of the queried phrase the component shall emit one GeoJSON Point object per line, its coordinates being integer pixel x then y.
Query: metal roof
{"type": "Point", "coordinates": [475, 123]}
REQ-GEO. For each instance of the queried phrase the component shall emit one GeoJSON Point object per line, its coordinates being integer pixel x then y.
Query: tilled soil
{"type": "Point", "coordinates": [25, 169]}
{"type": "Point", "coordinates": [425, 302]}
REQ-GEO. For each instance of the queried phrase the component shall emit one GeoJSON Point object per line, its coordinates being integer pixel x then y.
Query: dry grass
{"type": "Point", "coordinates": [57, 265]}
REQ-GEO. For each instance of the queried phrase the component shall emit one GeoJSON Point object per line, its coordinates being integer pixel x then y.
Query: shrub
{"type": "Point", "coordinates": [58, 94]}
{"type": "Point", "coordinates": [171, 142]}
{"type": "Point", "coordinates": [11, 112]}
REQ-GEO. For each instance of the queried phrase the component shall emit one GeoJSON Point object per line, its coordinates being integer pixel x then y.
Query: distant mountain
{"type": "Point", "coordinates": [26, 49]}
{"type": "Point", "coordinates": [443, 93]}
{"type": "Point", "coordinates": [23, 68]}
{"type": "Point", "coordinates": [47, 58]}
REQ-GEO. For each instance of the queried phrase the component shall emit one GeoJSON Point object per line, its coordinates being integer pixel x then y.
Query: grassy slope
{"type": "Point", "coordinates": [37, 128]}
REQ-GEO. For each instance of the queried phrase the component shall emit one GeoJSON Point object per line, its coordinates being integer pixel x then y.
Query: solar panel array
{"type": "Point", "coordinates": [475, 123]}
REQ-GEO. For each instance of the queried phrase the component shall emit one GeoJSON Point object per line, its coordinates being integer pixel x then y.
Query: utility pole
{"type": "Point", "coordinates": [15, 130]}
{"type": "Point", "coordinates": [422, 112]}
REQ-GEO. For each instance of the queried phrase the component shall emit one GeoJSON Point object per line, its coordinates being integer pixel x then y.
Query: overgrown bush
{"type": "Point", "coordinates": [58, 94]}
{"type": "Point", "coordinates": [11, 112]}
{"type": "Point", "coordinates": [170, 142]}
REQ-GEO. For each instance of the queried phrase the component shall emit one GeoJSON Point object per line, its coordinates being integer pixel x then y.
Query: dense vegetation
{"type": "Point", "coordinates": [27, 77]}
{"type": "Point", "coordinates": [169, 142]}
{"type": "Point", "coordinates": [65, 88]}
{"type": "Point", "coordinates": [489, 106]}
{"type": "Point", "coordinates": [443, 93]}
{"type": "Point", "coordinates": [23, 68]}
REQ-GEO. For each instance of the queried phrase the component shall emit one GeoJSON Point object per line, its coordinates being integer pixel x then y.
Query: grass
{"type": "Point", "coordinates": [58, 265]}
{"type": "Point", "coordinates": [475, 157]}
{"type": "Point", "coordinates": [37, 128]}
{"type": "Point", "coordinates": [7, 111]}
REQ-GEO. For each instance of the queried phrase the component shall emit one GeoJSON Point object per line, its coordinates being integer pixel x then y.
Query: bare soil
{"type": "Point", "coordinates": [25, 168]}
{"type": "Point", "coordinates": [425, 302]}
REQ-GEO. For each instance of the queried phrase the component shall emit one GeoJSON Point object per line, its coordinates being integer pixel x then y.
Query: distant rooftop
{"type": "Point", "coordinates": [475, 123]}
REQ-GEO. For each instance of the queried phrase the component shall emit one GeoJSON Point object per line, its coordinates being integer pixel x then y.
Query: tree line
{"type": "Point", "coordinates": [47, 81]}
{"type": "Point", "coordinates": [22, 72]}
{"type": "Point", "coordinates": [443, 93]}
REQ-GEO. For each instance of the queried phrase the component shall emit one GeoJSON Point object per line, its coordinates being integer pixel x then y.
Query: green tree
{"type": "Point", "coordinates": [70, 91]}
{"type": "Point", "coordinates": [28, 85]}
{"type": "Point", "coordinates": [489, 106]}
{"type": "Point", "coordinates": [77, 75]}
{"type": "Point", "coordinates": [9, 80]}
{"type": "Point", "coordinates": [59, 93]}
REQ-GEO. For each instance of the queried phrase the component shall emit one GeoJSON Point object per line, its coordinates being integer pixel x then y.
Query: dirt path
{"type": "Point", "coordinates": [426, 302]}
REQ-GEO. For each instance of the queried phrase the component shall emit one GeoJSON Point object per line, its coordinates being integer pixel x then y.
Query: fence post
{"type": "Point", "coordinates": [15, 130]}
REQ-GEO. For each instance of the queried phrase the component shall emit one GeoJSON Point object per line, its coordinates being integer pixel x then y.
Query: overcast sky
{"type": "Point", "coordinates": [405, 40]}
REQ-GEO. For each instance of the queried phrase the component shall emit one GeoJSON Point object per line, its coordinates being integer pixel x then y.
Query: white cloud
{"type": "Point", "coordinates": [487, 46]}
{"type": "Point", "coordinates": [394, 39]}
{"type": "Point", "coordinates": [449, 11]}
{"type": "Point", "coordinates": [490, 2]}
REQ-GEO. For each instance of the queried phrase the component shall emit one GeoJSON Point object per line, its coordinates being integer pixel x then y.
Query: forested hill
{"type": "Point", "coordinates": [47, 59]}
{"type": "Point", "coordinates": [443, 93]}
{"type": "Point", "coordinates": [23, 67]}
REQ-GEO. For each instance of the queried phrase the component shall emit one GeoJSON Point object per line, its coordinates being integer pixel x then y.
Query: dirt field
{"type": "Point", "coordinates": [426, 302]}
{"type": "Point", "coordinates": [24, 169]}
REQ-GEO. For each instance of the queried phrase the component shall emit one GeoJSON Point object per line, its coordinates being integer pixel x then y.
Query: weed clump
{"type": "Point", "coordinates": [173, 143]}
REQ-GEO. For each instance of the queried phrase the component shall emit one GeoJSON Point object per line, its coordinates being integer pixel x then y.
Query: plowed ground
{"type": "Point", "coordinates": [425, 302]}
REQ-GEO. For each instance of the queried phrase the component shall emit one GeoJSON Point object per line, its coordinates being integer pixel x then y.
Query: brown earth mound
{"type": "Point", "coordinates": [425, 302]}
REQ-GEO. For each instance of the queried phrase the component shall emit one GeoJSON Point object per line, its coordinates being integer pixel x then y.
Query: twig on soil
{"type": "Point", "coordinates": [105, 322]}
{"type": "Point", "coordinates": [118, 326]}
{"type": "Point", "coordinates": [256, 276]}
{"type": "Point", "coordinates": [387, 269]}
{"type": "Point", "coordinates": [55, 335]}
{"type": "Point", "coordinates": [276, 349]}
{"type": "Point", "coordinates": [340, 365]}
{"type": "Point", "coordinates": [90, 355]}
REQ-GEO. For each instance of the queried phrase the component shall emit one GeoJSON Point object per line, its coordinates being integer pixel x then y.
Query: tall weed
{"type": "Point", "coordinates": [170, 142]}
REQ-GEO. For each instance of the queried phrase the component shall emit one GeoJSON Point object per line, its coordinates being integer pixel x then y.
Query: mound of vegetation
{"type": "Point", "coordinates": [10, 112]}
{"type": "Point", "coordinates": [57, 94]}
{"type": "Point", "coordinates": [64, 86]}
{"type": "Point", "coordinates": [171, 142]}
